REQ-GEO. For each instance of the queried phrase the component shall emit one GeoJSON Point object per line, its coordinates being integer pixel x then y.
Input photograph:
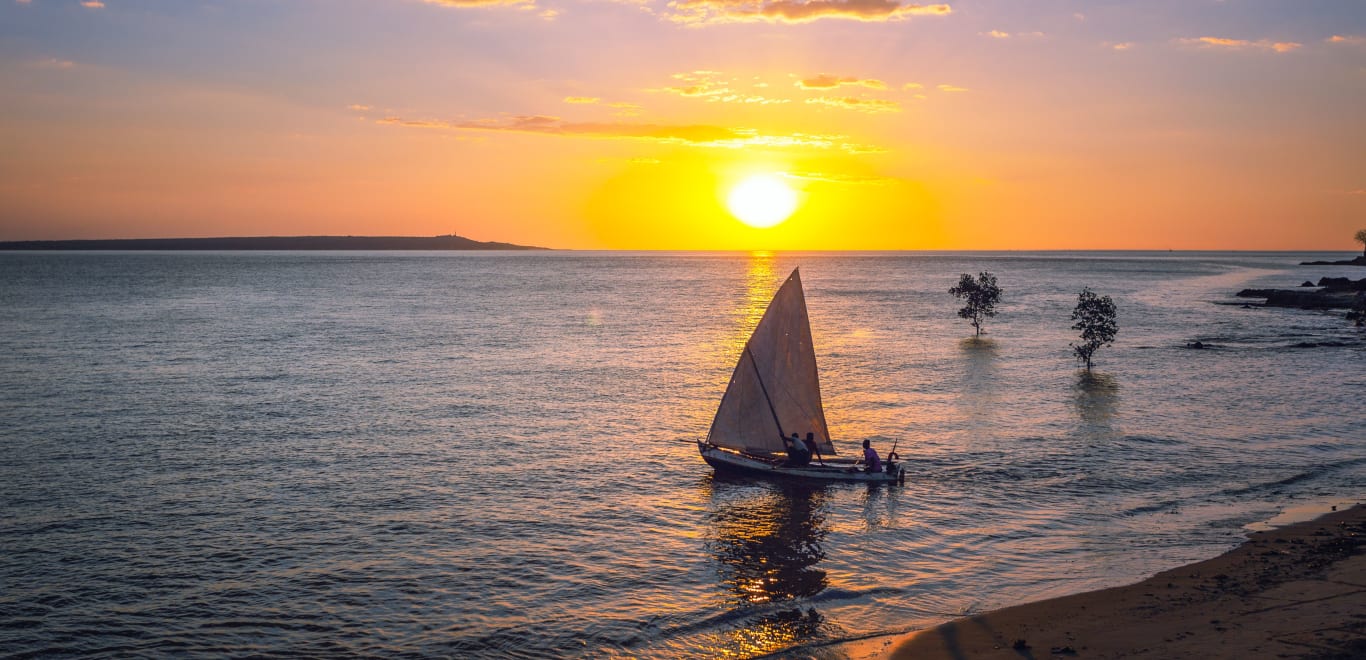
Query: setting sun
{"type": "Point", "coordinates": [762, 200]}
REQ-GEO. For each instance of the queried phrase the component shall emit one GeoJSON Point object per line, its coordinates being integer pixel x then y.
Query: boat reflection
{"type": "Point", "coordinates": [767, 544]}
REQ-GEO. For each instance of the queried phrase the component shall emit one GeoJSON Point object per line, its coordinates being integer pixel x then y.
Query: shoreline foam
{"type": "Point", "coordinates": [1297, 591]}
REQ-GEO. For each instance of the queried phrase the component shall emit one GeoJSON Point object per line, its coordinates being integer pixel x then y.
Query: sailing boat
{"type": "Point", "coordinates": [776, 391]}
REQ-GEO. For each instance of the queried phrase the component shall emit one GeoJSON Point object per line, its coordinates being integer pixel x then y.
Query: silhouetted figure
{"type": "Point", "coordinates": [798, 454]}
{"type": "Point", "coordinates": [814, 448]}
{"type": "Point", "coordinates": [870, 457]}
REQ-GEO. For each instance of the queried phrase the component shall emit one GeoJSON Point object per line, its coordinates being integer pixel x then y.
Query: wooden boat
{"type": "Point", "coordinates": [775, 391]}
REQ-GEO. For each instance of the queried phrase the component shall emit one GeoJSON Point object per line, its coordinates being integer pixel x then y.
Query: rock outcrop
{"type": "Point", "coordinates": [1333, 293]}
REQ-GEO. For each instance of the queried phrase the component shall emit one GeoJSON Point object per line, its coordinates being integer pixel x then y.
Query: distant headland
{"type": "Point", "coordinates": [448, 242]}
{"type": "Point", "coordinates": [1358, 261]}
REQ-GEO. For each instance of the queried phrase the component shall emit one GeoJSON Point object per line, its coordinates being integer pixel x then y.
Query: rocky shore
{"type": "Point", "coordinates": [1329, 293]}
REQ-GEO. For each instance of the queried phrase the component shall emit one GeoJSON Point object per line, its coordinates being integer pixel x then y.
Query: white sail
{"type": "Point", "coordinates": [775, 389]}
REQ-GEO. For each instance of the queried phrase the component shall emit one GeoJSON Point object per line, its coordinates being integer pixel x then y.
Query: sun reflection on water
{"type": "Point", "coordinates": [759, 289]}
{"type": "Point", "coordinates": [768, 544]}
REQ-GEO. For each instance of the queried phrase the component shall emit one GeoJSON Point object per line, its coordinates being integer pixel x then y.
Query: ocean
{"type": "Point", "coordinates": [493, 454]}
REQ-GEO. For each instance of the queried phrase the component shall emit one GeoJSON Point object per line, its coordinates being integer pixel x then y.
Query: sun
{"type": "Point", "coordinates": [762, 200]}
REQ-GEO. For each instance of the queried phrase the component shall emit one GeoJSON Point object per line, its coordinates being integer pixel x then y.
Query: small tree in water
{"type": "Point", "coordinates": [981, 296]}
{"type": "Point", "coordinates": [1095, 318]}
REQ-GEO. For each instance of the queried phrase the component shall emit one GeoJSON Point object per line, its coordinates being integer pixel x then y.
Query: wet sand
{"type": "Point", "coordinates": [1294, 592]}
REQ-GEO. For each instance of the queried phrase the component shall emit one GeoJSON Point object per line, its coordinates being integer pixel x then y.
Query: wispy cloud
{"type": "Point", "coordinates": [696, 135]}
{"type": "Point", "coordinates": [828, 81]}
{"type": "Point", "coordinates": [92, 4]}
{"type": "Point", "coordinates": [714, 87]}
{"type": "Point", "coordinates": [857, 104]}
{"type": "Point", "coordinates": [53, 63]}
{"type": "Point", "coordinates": [1346, 39]}
{"type": "Point", "coordinates": [479, 3]}
{"type": "Point", "coordinates": [625, 109]}
{"type": "Point", "coordinates": [854, 179]}
{"type": "Point", "coordinates": [705, 12]}
{"type": "Point", "coordinates": [951, 88]}
{"type": "Point", "coordinates": [996, 34]}
{"type": "Point", "coordinates": [581, 100]}
{"type": "Point", "coordinates": [1240, 44]}
{"type": "Point", "coordinates": [1128, 45]}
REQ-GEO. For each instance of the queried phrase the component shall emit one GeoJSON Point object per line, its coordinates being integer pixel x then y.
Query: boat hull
{"type": "Point", "coordinates": [724, 460]}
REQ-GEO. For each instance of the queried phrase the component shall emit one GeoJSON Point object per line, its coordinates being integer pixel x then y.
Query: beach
{"type": "Point", "coordinates": [1294, 592]}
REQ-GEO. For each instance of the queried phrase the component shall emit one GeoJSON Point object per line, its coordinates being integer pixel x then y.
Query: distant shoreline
{"type": "Point", "coordinates": [449, 242]}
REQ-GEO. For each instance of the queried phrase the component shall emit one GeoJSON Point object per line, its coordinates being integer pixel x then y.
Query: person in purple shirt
{"type": "Point", "coordinates": [870, 459]}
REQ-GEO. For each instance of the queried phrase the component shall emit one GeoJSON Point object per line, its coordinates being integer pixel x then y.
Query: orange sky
{"type": "Point", "coordinates": [1190, 124]}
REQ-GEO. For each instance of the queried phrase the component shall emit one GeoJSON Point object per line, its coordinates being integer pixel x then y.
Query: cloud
{"type": "Point", "coordinates": [952, 88]}
{"type": "Point", "coordinates": [697, 135]}
{"type": "Point", "coordinates": [709, 85]}
{"type": "Point", "coordinates": [625, 109]}
{"type": "Point", "coordinates": [1124, 46]}
{"type": "Point", "coordinates": [479, 3]}
{"type": "Point", "coordinates": [1240, 44]}
{"type": "Point", "coordinates": [1000, 34]}
{"type": "Point", "coordinates": [827, 81]}
{"type": "Point", "coordinates": [698, 83]}
{"type": "Point", "coordinates": [860, 105]}
{"type": "Point", "coordinates": [856, 179]}
{"type": "Point", "coordinates": [582, 100]}
{"type": "Point", "coordinates": [92, 4]}
{"type": "Point", "coordinates": [53, 63]}
{"type": "Point", "coordinates": [359, 107]}
{"type": "Point", "coordinates": [706, 12]}
{"type": "Point", "coordinates": [1346, 39]}
{"type": "Point", "coordinates": [555, 126]}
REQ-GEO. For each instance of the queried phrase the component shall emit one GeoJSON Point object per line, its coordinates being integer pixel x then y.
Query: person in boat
{"type": "Point", "coordinates": [798, 454]}
{"type": "Point", "coordinates": [871, 461]}
{"type": "Point", "coordinates": [814, 448]}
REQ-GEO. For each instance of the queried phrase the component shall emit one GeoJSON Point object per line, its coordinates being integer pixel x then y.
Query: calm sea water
{"type": "Point", "coordinates": [490, 455]}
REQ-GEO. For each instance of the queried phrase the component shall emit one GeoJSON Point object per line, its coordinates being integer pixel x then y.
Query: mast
{"type": "Point", "coordinates": [767, 400]}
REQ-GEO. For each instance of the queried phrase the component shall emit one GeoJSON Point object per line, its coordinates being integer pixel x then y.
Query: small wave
{"type": "Point", "coordinates": [266, 624]}
{"type": "Point", "coordinates": [1292, 479]}
{"type": "Point", "coordinates": [1166, 505]}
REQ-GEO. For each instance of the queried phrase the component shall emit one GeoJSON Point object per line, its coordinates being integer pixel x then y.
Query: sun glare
{"type": "Point", "coordinates": [762, 200]}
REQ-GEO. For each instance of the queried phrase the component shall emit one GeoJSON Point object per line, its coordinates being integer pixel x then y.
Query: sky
{"type": "Point", "coordinates": [624, 124]}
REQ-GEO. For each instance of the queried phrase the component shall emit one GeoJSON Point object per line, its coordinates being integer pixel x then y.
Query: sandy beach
{"type": "Point", "coordinates": [1294, 592]}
